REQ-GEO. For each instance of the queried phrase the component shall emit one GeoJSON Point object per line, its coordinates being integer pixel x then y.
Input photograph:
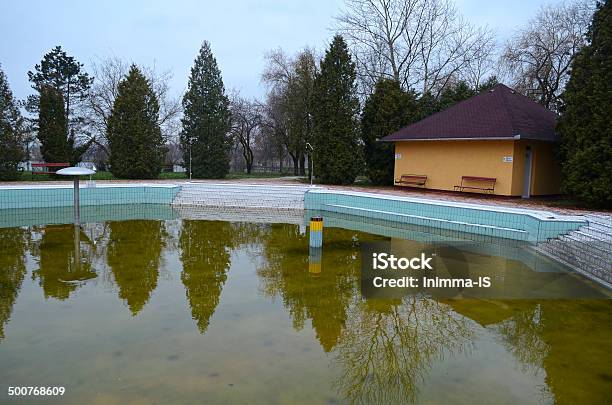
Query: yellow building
{"type": "Point", "coordinates": [497, 142]}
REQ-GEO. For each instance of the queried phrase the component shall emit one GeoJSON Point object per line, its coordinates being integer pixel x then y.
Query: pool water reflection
{"type": "Point", "coordinates": [190, 311]}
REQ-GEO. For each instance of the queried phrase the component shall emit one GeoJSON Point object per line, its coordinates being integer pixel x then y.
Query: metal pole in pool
{"type": "Point", "coordinates": [316, 232]}
{"type": "Point", "coordinates": [77, 207]}
{"type": "Point", "coordinates": [76, 172]}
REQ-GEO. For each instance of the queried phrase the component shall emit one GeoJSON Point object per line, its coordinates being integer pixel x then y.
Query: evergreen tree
{"type": "Point", "coordinates": [11, 132]}
{"type": "Point", "coordinates": [135, 142]}
{"type": "Point", "coordinates": [388, 109]}
{"type": "Point", "coordinates": [66, 76]}
{"type": "Point", "coordinates": [488, 84]}
{"type": "Point", "coordinates": [455, 94]}
{"type": "Point", "coordinates": [55, 146]}
{"type": "Point", "coordinates": [206, 121]}
{"type": "Point", "coordinates": [427, 105]}
{"type": "Point", "coordinates": [337, 155]}
{"type": "Point", "coordinates": [586, 121]}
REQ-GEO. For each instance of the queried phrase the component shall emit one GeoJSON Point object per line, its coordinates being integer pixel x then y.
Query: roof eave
{"type": "Point", "coordinates": [489, 138]}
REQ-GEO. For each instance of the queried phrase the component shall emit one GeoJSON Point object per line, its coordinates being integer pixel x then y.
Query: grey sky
{"type": "Point", "coordinates": [169, 33]}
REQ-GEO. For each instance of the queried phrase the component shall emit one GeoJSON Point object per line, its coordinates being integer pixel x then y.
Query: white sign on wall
{"type": "Point", "coordinates": [398, 156]}
{"type": "Point", "coordinates": [507, 159]}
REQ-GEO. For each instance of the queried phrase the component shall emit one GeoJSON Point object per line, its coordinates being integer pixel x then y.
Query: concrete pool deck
{"type": "Point", "coordinates": [535, 203]}
{"type": "Point", "coordinates": [496, 220]}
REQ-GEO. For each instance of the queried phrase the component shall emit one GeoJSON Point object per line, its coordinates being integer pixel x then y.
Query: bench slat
{"type": "Point", "coordinates": [50, 164]}
{"type": "Point", "coordinates": [416, 179]}
{"type": "Point", "coordinates": [491, 180]}
{"type": "Point", "coordinates": [46, 166]}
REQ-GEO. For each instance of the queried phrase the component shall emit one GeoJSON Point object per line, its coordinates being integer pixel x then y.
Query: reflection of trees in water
{"type": "Point", "coordinates": [205, 253]}
{"type": "Point", "coordinates": [12, 270]}
{"type": "Point", "coordinates": [522, 335]}
{"type": "Point", "coordinates": [134, 253]}
{"type": "Point", "coordinates": [64, 263]}
{"type": "Point", "coordinates": [387, 347]}
{"type": "Point", "coordinates": [569, 340]}
{"type": "Point", "coordinates": [325, 298]}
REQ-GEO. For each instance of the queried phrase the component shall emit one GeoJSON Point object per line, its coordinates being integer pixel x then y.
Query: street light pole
{"type": "Point", "coordinates": [308, 145]}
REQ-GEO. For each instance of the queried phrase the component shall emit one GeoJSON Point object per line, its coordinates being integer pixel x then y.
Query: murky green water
{"type": "Point", "coordinates": [184, 311]}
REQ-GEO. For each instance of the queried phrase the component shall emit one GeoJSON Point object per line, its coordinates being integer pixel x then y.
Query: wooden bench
{"type": "Point", "coordinates": [412, 179]}
{"type": "Point", "coordinates": [48, 168]}
{"type": "Point", "coordinates": [487, 184]}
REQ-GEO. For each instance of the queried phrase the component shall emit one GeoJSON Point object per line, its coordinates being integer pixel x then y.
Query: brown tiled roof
{"type": "Point", "coordinates": [496, 113]}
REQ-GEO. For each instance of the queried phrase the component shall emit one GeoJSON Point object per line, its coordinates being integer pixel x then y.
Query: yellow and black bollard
{"type": "Point", "coordinates": [316, 232]}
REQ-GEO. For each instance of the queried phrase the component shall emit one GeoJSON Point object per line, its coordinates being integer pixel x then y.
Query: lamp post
{"type": "Point", "coordinates": [191, 139]}
{"type": "Point", "coordinates": [309, 146]}
{"type": "Point", "coordinates": [75, 172]}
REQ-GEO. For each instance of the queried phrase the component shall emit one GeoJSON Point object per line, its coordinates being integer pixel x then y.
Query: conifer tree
{"type": "Point", "coordinates": [586, 120]}
{"type": "Point", "coordinates": [52, 126]}
{"type": "Point", "coordinates": [11, 132]}
{"type": "Point", "coordinates": [388, 109]}
{"type": "Point", "coordinates": [135, 142]}
{"type": "Point", "coordinates": [206, 122]}
{"type": "Point", "coordinates": [337, 155]}
{"type": "Point", "coordinates": [66, 76]}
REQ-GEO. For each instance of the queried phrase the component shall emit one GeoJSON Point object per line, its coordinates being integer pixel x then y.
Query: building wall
{"type": "Point", "coordinates": [545, 170]}
{"type": "Point", "coordinates": [444, 162]}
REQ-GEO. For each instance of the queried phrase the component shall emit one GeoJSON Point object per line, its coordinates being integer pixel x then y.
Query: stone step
{"type": "Point", "coordinates": [588, 250]}
{"type": "Point", "coordinates": [601, 221]}
{"type": "Point", "coordinates": [581, 247]}
{"type": "Point", "coordinates": [595, 233]}
{"type": "Point", "coordinates": [578, 260]}
{"type": "Point", "coordinates": [577, 256]}
{"type": "Point", "coordinates": [589, 269]}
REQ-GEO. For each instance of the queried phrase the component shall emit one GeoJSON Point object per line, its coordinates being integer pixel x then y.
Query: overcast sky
{"type": "Point", "coordinates": [169, 33]}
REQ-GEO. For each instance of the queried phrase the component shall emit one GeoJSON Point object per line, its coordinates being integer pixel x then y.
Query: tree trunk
{"type": "Point", "coordinates": [302, 164]}
{"type": "Point", "coordinates": [296, 165]}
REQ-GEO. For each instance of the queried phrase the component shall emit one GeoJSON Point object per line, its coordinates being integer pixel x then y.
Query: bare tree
{"type": "Point", "coordinates": [108, 74]}
{"type": "Point", "coordinates": [274, 129]}
{"type": "Point", "coordinates": [290, 82]}
{"type": "Point", "coordinates": [246, 118]}
{"type": "Point", "coordinates": [423, 44]}
{"type": "Point", "coordinates": [538, 57]}
{"type": "Point", "coordinates": [174, 156]}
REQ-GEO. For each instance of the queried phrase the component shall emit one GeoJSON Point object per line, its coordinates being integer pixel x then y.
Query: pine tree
{"type": "Point", "coordinates": [455, 94]}
{"type": "Point", "coordinates": [586, 120]}
{"type": "Point", "coordinates": [55, 146]}
{"type": "Point", "coordinates": [11, 132]}
{"type": "Point", "coordinates": [388, 109]}
{"type": "Point", "coordinates": [65, 75]}
{"type": "Point", "coordinates": [135, 142]}
{"type": "Point", "coordinates": [337, 155]}
{"type": "Point", "coordinates": [206, 121]}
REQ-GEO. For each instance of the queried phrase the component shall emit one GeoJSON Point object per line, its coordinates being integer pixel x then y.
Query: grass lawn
{"type": "Point", "coordinates": [27, 176]}
{"type": "Point", "coordinates": [101, 175]}
{"type": "Point", "coordinates": [256, 175]}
